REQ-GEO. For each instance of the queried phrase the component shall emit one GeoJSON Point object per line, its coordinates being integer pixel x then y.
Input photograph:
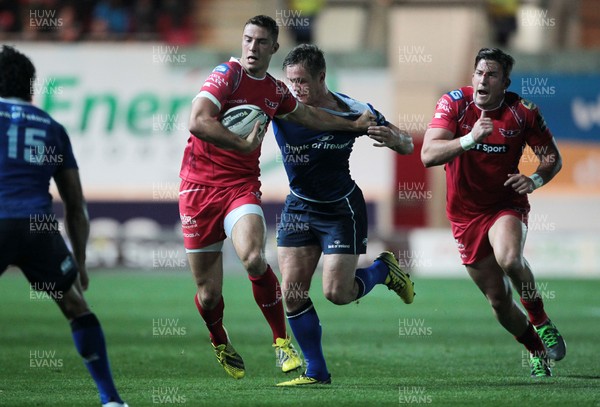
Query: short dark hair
{"type": "Point", "coordinates": [265, 22]}
{"type": "Point", "coordinates": [499, 56]}
{"type": "Point", "coordinates": [17, 74]}
{"type": "Point", "coordinates": [307, 55]}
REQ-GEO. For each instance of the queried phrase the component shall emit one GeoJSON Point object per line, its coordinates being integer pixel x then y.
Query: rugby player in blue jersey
{"type": "Point", "coordinates": [325, 211]}
{"type": "Point", "coordinates": [33, 149]}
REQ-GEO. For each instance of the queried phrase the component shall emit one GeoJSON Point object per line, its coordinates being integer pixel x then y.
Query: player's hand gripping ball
{"type": "Point", "coordinates": [240, 119]}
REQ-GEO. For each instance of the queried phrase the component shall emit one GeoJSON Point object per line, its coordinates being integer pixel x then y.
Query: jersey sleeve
{"type": "Point", "coordinates": [288, 102]}
{"type": "Point", "coordinates": [219, 84]}
{"type": "Point", "coordinates": [379, 118]}
{"type": "Point", "coordinates": [445, 116]}
{"type": "Point", "coordinates": [68, 158]}
{"type": "Point", "coordinates": [538, 133]}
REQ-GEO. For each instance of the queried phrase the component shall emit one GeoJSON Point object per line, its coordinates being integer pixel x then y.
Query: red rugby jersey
{"type": "Point", "coordinates": [475, 179]}
{"type": "Point", "coordinates": [228, 86]}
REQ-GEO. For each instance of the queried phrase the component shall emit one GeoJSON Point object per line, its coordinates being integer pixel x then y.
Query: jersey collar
{"type": "Point", "coordinates": [237, 60]}
{"type": "Point", "coordinates": [490, 110]}
{"type": "Point", "coordinates": [15, 100]}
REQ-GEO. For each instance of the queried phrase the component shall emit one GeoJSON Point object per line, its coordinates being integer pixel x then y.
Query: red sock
{"type": "Point", "coordinates": [267, 294]}
{"type": "Point", "coordinates": [214, 321]}
{"type": "Point", "coordinates": [535, 309]}
{"type": "Point", "coordinates": [531, 340]}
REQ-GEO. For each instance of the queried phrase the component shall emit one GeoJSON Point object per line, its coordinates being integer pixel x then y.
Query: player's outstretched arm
{"type": "Point", "coordinates": [76, 217]}
{"type": "Point", "coordinates": [392, 137]}
{"type": "Point", "coordinates": [204, 125]}
{"type": "Point", "coordinates": [550, 164]}
{"type": "Point", "coordinates": [318, 119]}
{"type": "Point", "coordinates": [440, 146]}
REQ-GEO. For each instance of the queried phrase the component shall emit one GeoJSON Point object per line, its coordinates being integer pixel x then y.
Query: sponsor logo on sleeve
{"type": "Point", "coordinates": [456, 94]}
{"type": "Point", "coordinates": [444, 105]}
{"type": "Point", "coordinates": [221, 69]}
{"type": "Point", "coordinates": [216, 80]}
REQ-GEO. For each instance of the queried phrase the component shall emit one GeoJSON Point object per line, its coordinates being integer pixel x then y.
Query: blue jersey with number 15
{"type": "Point", "coordinates": [33, 147]}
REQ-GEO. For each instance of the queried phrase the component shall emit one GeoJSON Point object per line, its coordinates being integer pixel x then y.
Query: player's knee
{"type": "Point", "coordinates": [337, 296]}
{"type": "Point", "coordinates": [254, 263]}
{"type": "Point", "coordinates": [294, 292]}
{"type": "Point", "coordinates": [293, 299]}
{"type": "Point", "coordinates": [209, 298]}
{"type": "Point", "coordinates": [73, 306]}
{"type": "Point", "coordinates": [209, 302]}
{"type": "Point", "coordinates": [500, 302]}
{"type": "Point", "coordinates": [511, 263]}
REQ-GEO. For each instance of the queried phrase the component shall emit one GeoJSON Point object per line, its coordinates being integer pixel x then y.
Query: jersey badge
{"type": "Point", "coordinates": [529, 105]}
{"type": "Point", "coordinates": [270, 104]}
{"type": "Point", "coordinates": [509, 133]}
{"type": "Point", "coordinates": [326, 137]}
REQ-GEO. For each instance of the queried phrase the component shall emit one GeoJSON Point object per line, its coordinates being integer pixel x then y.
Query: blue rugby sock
{"type": "Point", "coordinates": [368, 277]}
{"type": "Point", "coordinates": [89, 341]}
{"type": "Point", "coordinates": [306, 327]}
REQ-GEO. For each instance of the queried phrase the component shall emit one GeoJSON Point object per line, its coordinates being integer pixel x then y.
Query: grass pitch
{"type": "Point", "coordinates": [445, 349]}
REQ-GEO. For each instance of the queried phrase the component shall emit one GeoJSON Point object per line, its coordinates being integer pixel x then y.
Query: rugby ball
{"type": "Point", "coordinates": [240, 119]}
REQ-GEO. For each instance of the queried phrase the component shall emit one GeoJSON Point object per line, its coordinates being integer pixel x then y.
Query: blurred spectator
{"type": "Point", "coordinates": [85, 13]}
{"type": "Point", "coordinates": [568, 26]}
{"type": "Point", "coordinates": [10, 21]}
{"type": "Point", "coordinates": [71, 28]}
{"type": "Point", "coordinates": [301, 19]}
{"type": "Point", "coordinates": [175, 23]}
{"type": "Point", "coordinates": [171, 21]}
{"type": "Point", "coordinates": [111, 20]}
{"type": "Point", "coordinates": [40, 19]}
{"type": "Point", "coordinates": [503, 19]}
{"type": "Point", "coordinates": [144, 20]}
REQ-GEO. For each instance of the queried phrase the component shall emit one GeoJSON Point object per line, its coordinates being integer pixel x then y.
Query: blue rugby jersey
{"type": "Point", "coordinates": [33, 147]}
{"type": "Point", "coordinates": [316, 162]}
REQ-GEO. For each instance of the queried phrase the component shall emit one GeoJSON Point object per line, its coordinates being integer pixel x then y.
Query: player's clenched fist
{"type": "Point", "coordinates": [520, 183]}
{"type": "Point", "coordinates": [365, 120]}
{"type": "Point", "coordinates": [482, 128]}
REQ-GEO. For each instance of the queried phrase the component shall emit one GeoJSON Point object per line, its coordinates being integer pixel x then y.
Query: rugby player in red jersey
{"type": "Point", "coordinates": [479, 132]}
{"type": "Point", "coordinates": [220, 189]}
